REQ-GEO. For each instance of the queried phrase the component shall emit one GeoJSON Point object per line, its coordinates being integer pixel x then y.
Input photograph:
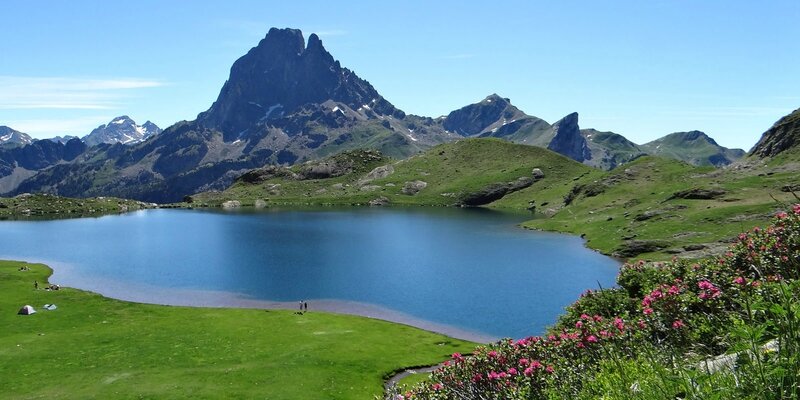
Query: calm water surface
{"type": "Point", "coordinates": [470, 269]}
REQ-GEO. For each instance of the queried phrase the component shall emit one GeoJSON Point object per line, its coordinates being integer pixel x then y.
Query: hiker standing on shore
{"type": "Point", "coordinates": [305, 306]}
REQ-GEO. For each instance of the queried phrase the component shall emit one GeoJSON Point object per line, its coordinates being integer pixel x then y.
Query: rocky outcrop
{"type": "Point", "coordinates": [782, 136]}
{"type": "Point", "coordinates": [568, 141]}
{"type": "Point", "coordinates": [494, 192]}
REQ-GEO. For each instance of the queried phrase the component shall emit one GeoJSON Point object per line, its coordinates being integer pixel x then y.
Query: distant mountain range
{"type": "Point", "coordinates": [9, 136]}
{"type": "Point", "coordinates": [288, 101]}
{"type": "Point", "coordinates": [121, 130]}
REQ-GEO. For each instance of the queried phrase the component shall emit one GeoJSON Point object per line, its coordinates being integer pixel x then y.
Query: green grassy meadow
{"type": "Point", "coordinates": [94, 347]}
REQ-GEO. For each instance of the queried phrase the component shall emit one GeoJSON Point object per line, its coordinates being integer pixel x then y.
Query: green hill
{"type": "Point", "coordinates": [448, 174]}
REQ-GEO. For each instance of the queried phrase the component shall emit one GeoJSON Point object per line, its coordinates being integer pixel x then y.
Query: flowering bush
{"type": "Point", "coordinates": [666, 310]}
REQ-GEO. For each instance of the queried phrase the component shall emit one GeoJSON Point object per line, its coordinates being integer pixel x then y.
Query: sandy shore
{"type": "Point", "coordinates": [64, 275]}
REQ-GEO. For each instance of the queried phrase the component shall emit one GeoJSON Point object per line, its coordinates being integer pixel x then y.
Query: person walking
{"type": "Point", "coordinates": [305, 306]}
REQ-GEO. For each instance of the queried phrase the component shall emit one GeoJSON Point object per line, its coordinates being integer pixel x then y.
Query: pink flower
{"type": "Point", "coordinates": [619, 323]}
{"type": "Point", "coordinates": [739, 281]}
{"type": "Point", "coordinates": [437, 386]}
{"type": "Point", "coordinates": [549, 369]}
{"type": "Point", "coordinates": [477, 377]}
{"type": "Point", "coordinates": [535, 364]}
{"type": "Point", "coordinates": [641, 323]}
{"type": "Point", "coordinates": [523, 362]}
{"type": "Point", "coordinates": [585, 316]}
{"type": "Point", "coordinates": [647, 311]}
{"type": "Point", "coordinates": [492, 354]}
{"type": "Point", "coordinates": [678, 324]}
{"type": "Point", "coordinates": [705, 285]}
{"type": "Point", "coordinates": [579, 324]}
{"type": "Point", "coordinates": [591, 339]}
{"type": "Point", "coordinates": [781, 215]}
{"type": "Point", "coordinates": [512, 371]}
{"type": "Point", "coordinates": [528, 371]}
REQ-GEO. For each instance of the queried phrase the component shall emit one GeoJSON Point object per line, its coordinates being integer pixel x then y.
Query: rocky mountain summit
{"type": "Point", "coordinates": [121, 130]}
{"type": "Point", "coordinates": [9, 136]}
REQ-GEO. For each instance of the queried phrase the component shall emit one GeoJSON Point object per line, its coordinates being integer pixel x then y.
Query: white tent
{"type": "Point", "coordinates": [26, 310]}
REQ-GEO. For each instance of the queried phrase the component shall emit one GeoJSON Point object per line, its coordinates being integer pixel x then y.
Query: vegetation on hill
{"type": "Point", "coordinates": [720, 328]}
{"type": "Point", "coordinates": [95, 347]}
{"type": "Point", "coordinates": [49, 206]}
{"type": "Point", "coordinates": [443, 176]}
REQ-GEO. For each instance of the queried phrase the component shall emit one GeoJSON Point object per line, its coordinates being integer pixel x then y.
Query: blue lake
{"type": "Point", "coordinates": [472, 270]}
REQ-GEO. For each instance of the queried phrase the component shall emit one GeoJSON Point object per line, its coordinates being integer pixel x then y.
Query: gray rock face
{"type": "Point", "coordinates": [537, 174]}
{"type": "Point", "coordinates": [568, 140]}
{"type": "Point", "coordinates": [380, 172]}
{"type": "Point", "coordinates": [784, 135]}
{"type": "Point", "coordinates": [474, 118]}
{"type": "Point", "coordinates": [413, 187]}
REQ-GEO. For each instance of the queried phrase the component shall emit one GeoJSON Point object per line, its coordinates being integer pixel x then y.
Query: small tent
{"type": "Point", "coordinates": [26, 310]}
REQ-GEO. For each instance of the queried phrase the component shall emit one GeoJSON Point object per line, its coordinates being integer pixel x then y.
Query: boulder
{"type": "Point", "coordinates": [231, 204]}
{"type": "Point", "coordinates": [260, 204]}
{"type": "Point", "coordinates": [537, 174]}
{"type": "Point", "coordinates": [698, 194]}
{"type": "Point", "coordinates": [380, 201]}
{"type": "Point", "coordinates": [413, 187]}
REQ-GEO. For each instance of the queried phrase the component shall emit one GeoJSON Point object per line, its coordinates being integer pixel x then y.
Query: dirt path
{"type": "Point", "coordinates": [392, 382]}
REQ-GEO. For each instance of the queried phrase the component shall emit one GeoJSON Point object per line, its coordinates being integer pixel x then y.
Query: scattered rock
{"type": "Point", "coordinates": [648, 215]}
{"type": "Point", "coordinates": [537, 174]}
{"type": "Point", "coordinates": [379, 173]}
{"type": "Point", "coordinates": [694, 247]}
{"type": "Point", "coordinates": [632, 248]}
{"type": "Point", "coordinates": [698, 194]}
{"type": "Point", "coordinates": [380, 201]}
{"type": "Point", "coordinates": [790, 188]}
{"type": "Point", "coordinates": [369, 188]}
{"type": "Point", "coordinates": [338, 186]}
{"type": "Point", "coordinates": [260, 204]}
{"type": "Point", "coordinates": [231, 204]}
{"type": "Point", "coordinates": [413, 187]}
{"type": "Point", "coordinates": [320, 191]}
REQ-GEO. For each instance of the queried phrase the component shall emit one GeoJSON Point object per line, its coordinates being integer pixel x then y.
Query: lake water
{"type": "Point", "coordinates": [470, 273]}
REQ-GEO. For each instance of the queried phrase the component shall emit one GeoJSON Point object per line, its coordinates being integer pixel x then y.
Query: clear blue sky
{"type": "Point", "coordinates": [639, 68]}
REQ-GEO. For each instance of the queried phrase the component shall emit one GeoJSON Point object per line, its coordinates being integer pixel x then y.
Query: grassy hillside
{"type": "Point", "coordinates": [95, 347]}
{"type": "Point", "coordinates": [640, 206]}
{"type": "Point", "coordinates": [651, 208]}
{"type": "Point", "coordinates": [49, 206]}
{"type": "Point", "coordinates": [449, 171]}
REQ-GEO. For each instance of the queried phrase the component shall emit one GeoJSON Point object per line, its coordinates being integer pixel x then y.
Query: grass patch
{"type": "Point", "coordinates": [95, 347]}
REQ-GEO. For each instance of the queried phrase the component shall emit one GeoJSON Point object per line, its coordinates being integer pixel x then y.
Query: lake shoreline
{"type": "Point", "coordinates": [145, 294]}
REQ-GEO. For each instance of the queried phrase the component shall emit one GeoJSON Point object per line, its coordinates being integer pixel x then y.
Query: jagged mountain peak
{"type": "Point", "coordinates": [123, 130]}
{"type": "Point", "coordinates": [278, 78]}
{"type": "Point", "coordinates": [475, 119]}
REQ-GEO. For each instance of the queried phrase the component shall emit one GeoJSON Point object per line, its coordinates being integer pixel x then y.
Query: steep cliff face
{"type": "Point", "coordinates": [782, 136]}
{"type": "Point", "coordinates": [567, 139]}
